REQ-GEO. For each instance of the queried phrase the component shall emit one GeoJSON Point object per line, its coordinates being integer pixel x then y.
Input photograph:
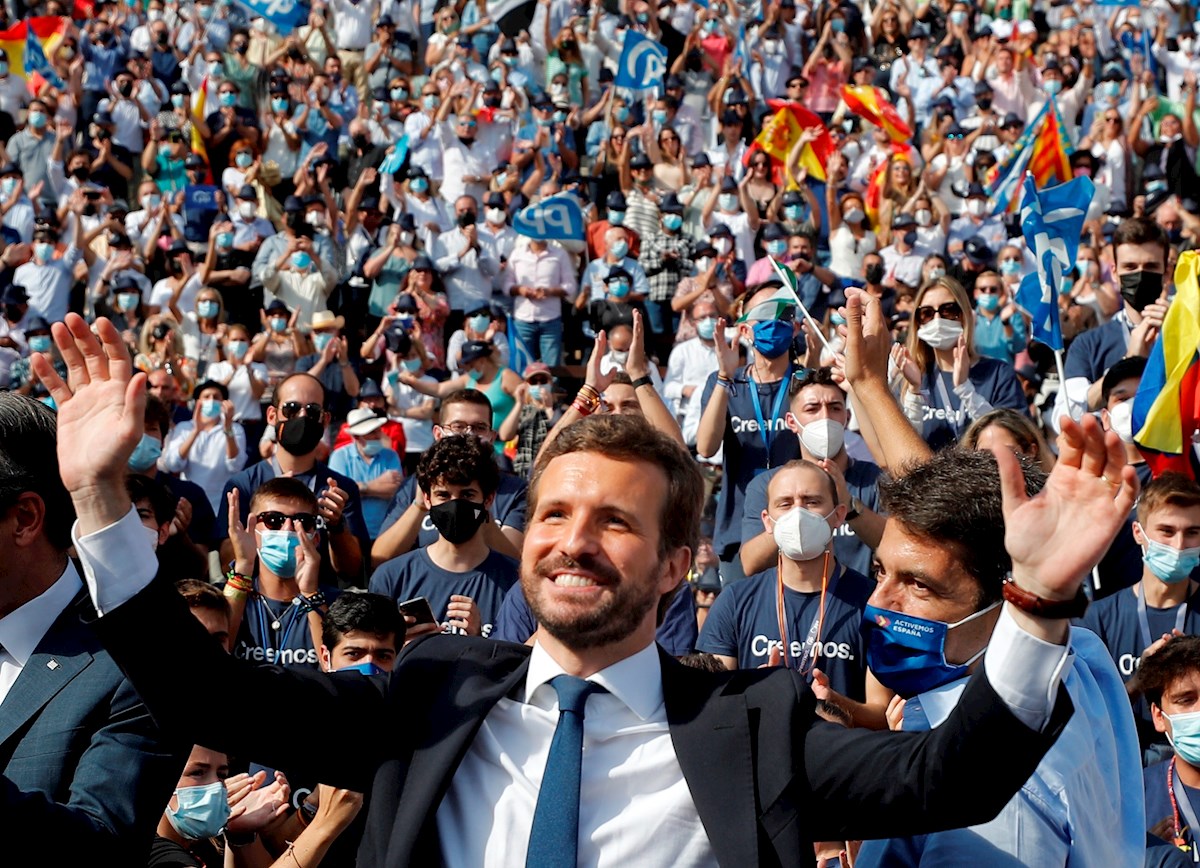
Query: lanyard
{"type": "Point", "coordinates": [1182, 804]}
{"type": "Point", "coordinates": [1144, 622]}
{"type": "Point", "coordinates": [944, 397]}
{"type": "Point", "coordinates": [766, 436]}
{"type": "Point", "coordinates": [263, 611]}
{"type": "Point", "coordinates": [812, 643]}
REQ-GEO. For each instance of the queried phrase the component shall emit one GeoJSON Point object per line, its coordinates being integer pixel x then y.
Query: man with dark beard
{"type": "Point", "coordinates": [484, 760]}
{"type": "Point", "coordinates": [297, 417]}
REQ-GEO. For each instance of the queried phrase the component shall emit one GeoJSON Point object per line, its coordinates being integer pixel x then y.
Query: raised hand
{"type": "Point", "coordinates": [636, 365]}
{"type": "Point", "coordinates": [463, 614]}
{"type": "Point", "coordinates": [728, 351]}
{"type": "Point", "coordinates": [868, 340]}
{"type": "Point", "coordinates": [332, 502]}
{"type": "Point", "coordinates": [593, 376]}
{"type": "Point", "coordinates": [308, 565]}
{"type": "Point", "coordinates": [895, 713]}
{"type": "Point", "coordinates": [243, 538]}
{"type": "Point", "coordinates": [962, 361]}
{"type": "Point", "coordinates": [100, 409]}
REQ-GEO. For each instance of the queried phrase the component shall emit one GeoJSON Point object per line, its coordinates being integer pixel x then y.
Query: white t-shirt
{"type": "Point", "coordinates": [245, 406]}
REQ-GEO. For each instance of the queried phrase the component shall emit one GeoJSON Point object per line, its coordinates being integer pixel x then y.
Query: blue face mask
{"type": "Point", "coordinates": [908, 654]}
{"type": "Point", "coordinates": [989, 303]}
{"type": "Point", "coordinates": [145, 454]}
{"type": "Point", "coordinates": [321, 341]}
{"type": "Point", "coordinates": [210, 408]}
{"type": "Point", "coordinates": [202, 812]}
{"type": "Point", "coordinates": [772, 338]}
{"type": "Point", "coordinates": [1185, 735]}
{"type": "Point", "coordinates": [224, 240]}
{"type": "Point", "coordinates": [40, 343]}
{"type": "Point", "coordinates": [479, 323]}
{"type": "Point", "coordinates": [418, 185]}
{"type": "Point", "coordinates": [619, 249]}
{"type": "Point", "coordinates": [367, 668]}
{"type": "Point", "coordinates": [616, 218]}
{"type": "Point", "coordinates": [777, 247]}
{"type": "Point", "coordinates": [227, 98]}
{"type": "Point", "coordinates": [371, 448]}
{"type": "Point", "coordinates": [207, 309]}
{"type": "Point", "coordinates": [279, 104]}
{"type": "Point", "coordinates": [618, 288]}
{"type": "Point", "coordinates": [399, 93]}
{"type": "Point", "coordinates": [672, 222]}
{"type": "Point", "coordinates": [1010, 266]}
{"type": "Point", "coordinates": [728, 201]}
{"type": "Point", "coordinates": [536, 393]}
{"type": "Point", "coordinates": [128, 301]}
{"type": "Point", "coordinates": [706, 328]}
{"type": "Point", "coordinates": [411, 365]}
{"type": "Point", "coordinates": [621, 114]}
{"type": "Point", "coordinates": [236, 349]}
{"type": "Point", "coordinates": [301, 260]}
{"type": "Point", "coordinates": [793, 212]}
{"type": "Point", "coordinates": [277, 551]}
{"type": "Point", "coordinates": [1168, 563]}
{"type": "Point", "coordinates": [430, 101]}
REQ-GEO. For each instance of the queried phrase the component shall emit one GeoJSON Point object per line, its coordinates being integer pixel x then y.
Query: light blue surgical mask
{"type": "Point", "coordinates": [1168, 563]}
{"type": "Point", "coordinates": [431, 101]}
{"type": "Point", "coordinates": [502, 179]}
{"type": "Point", "coordinates": [227, 98]}
{"type": "Point", "coordinates": [411, 365]}
{"type": "Point", "coordinates": [989, 303]}
{"type": "Point", "coordinates": [619, 288]}
{"type": "Point", "coordinates": [706, 327]}
{"type": "Point", "coordinates": [616, 218]}
{"type": "Point", "coordinates": [216, 69]}
{"type": "Point", "coordinates": [244, 160]}
{"type": "Point", "coordinates": [301, 260]}
{"type": "Point", "coordinates": [40, 343]}
{"type": "Point", "coordinates": [321, 341]}
{"type": "Point", "coordinates": [279, 103]}
{"type": "Point", "coordinates": [277, 551]}
{"type": "Point", "coordinates": [371, 448]}
{"type": "Point", "coordinates": [418, 185]}
{"type": "Point", "coordinates": [728, 201]}
{"type": "Point", "coordinates": [279, 324]}
{"type": "Point", "coordinates": [203, 811]}
{"type": "Point", "coordinates": [621, 114]}
{"type": "Point", "coordinates": [127, 301]}
{"type": "Point", "coordinates": [210, 408]}
{"type": "Point", "coordinates": [1110, 89]}
{"type": "Point", "coordinates": [537, 393]}
{"type": "Point", "coordinates": [224, 240]}
{"type": "Point", "coordinates": [177, 100]}
{"type": "Point", "coordinates": [777, 247]}
{"type": "Point", "coordinates": [37, 119]}
{"type": "Point", "coordinates": [44, 251]}
{"type": "Point", "coordinates": [672, 222]}
{"type": "Point", "coordinates": [8, 186]}
{"type": "Point", "coordinates": [1185, 735]}
{"type": "Point", "coordinates": [475, 376]}
{"type": "Point", "coordinates": [793, 212]}
{"type": "Point", "coordinates": [207, 309]}
{"type": "Point", "coordinates": [145, 454]}
{"type": "Point", "coordinates": [236, 349]}
{"type": "Point", "coordinates": [479, 323]}
{"type": "Point", "coordinates": [1010, 266]}
{"type": "Point", "coordinates": [659, 116]}
{"type": "Point", "coordinates": [619, 249]}
{"type": "Point", "coordinates": [1052, 86]}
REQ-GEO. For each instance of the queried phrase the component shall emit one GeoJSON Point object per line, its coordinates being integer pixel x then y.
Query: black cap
{"type": "Point", "coordinates": [673, 81]}
{"type": "Point", "coordinates": [384, 21]}
{"type": "Point", "coordinates": [670, 204]}
{"type": "Point", "coordinates": [641, 161]}
{"type": "Point", "coordinates": [10, 169]}
{"type": "Point", "coordinates": [918, 31]}
{"type": "Point", "coordinates": [247, 192]}
{"type": "Point", "coordinates": [210, 384]}
{"type": "Point", "coordinates": [773, 232]}
{"type": "Point", "coordinates": [615, 201]}
{"type": "Point", "coordinates": [720, 229]}
{"type": "Point", "coordinates": [976, 191]}
{"type": "Point", "coordinates": [861, 63]}
{"type": "Point", "coordinates": [14, 294]}
{"type": "Point", "coordinates": [494, 200]}
{"type": "Point", "coordinates": [406, 304]}
{"type": "Point", "coordinates": [616, 273]}
{"type": "Point", "coordinates": [176, 247]}
{"type": "Point", "coordinates": [1012, 120]}
{"type": "Point", "coordinates": [194, 161]}
{"type": "Point", "coordinates": [477, 308]}
{"type": "Point", "coordinates": [729, 116]}
{"type": "Point", "coordinates": [398, 340]}
{"type": "Point", "coordinates": [728, 184]}
{"type": "Point", "coordinates": [902, 220]}
{"type": "Point", "coordinates": [422, 263]}
{"type": "Point", "coordinates": [36, 323]}
{"type": "Point", "coordinates": [369, 203]}
{"type": "Point", "coordinates": [982, 87]}
{"type": "Point", "coordinates": [292, 204]}
{"type": "Point", "coordinates": [278, 306]}
{"type": "Point", "coordinates": [124, 282]}
{"type": "Point", "coordinates": [407, 222]}
{"type": "Point", "coordinates": [474, 350]}
{"type": "Point", "coordinates": [369, 389]}
{"type": "Point", "coordinates": [701, 161]}
{"type": "Point", "coordinates": [119, 239]}
{"type": "Point", "coordinates": [416, 172]}
{"type": "Point", "coordinates": [977, 250]}
{"type": "Point", "coordinates": [793, 197]}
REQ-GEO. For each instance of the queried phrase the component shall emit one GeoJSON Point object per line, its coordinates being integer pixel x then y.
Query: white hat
{"type": "Point", "coordinates": [363, 421]}
{"type": "Point", "coordinates": [1002, 30]}
{"type": "Point", "coordinates": [1026, 28]}
{"type": "Point", "coordinates": [324, 319]}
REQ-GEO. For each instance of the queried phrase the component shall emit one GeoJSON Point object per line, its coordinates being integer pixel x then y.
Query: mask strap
{"type": "Point", "coordinates": [968, 619]}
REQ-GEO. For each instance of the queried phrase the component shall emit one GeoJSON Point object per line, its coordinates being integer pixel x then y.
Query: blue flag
{"type": "Point", "coordinates": [392, 162]}
{"type": "Point", "coordinates": [35, 59]}
{"type": "Point", "coordinates": [643, 62]}
{"type": "Point", "coordinates": [519, 356]}
{"type": "Point", "coordinates": [558, 218]}
{"type": "Point", "coordinates": [1051, 222]}
{"type": "Point", "coordinates": [286, 15]}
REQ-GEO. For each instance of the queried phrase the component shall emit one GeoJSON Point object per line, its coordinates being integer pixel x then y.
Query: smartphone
{"type": "Point", "coordinates": [418, 609]}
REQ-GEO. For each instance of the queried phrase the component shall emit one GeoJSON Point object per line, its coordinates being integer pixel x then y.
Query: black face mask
{"type": "Point", "coordinates": [467, 218]}
{"type": "Point", "coordinates": [1141, 288]}
{"type": "Point", "coordinates": [125, 88]}
{"type": "Point", "coordinates": [984, 102]}
{"type": "Point", "coordinates": [874, 273]}
{"type": "Point", "coordinates": [361, 142]}
{"type": "Point", "coordinates": [910, 237]}
{"type": "Point", "coordinates": [300, 435]}
{"type": "Point", "coordinates": [81, 173]}
{"type": "Point", "coordinates": [458, 520]}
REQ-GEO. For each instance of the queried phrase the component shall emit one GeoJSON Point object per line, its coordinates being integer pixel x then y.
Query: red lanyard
{"type": "Point", "coordinates": [781, 614]}
{"type": "Point", "coordinates": [1180, 841]}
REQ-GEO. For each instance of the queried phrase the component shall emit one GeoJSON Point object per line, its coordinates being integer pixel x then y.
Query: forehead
{"type": "Point", "coordinates": [275, 503]}
{"type": "Point", "coordinates": [362, 639]}
{"type": "Point", "coordinates": [1185, 682]}
{"type": "Point", "coordinates": [596, 480]}
{"type": "Point", "coordinates": [819, 393]}
{"type": "Point", "coordinates": [211, 392]}
{"type": "Point", "coordinates": [936, 296]}
{"type": "Point", "coordinates": [301, 389]}
{"type": "Point", "coordinates": [1175, 514]}
{"type": "Point", "coordinates": [902, 552]}
{"type": "Point", "coordinates": [1147, 253]}
{"type": "Point", "coordinates": [461, 411]}
{"type": "Point", "coordinates": [798, 482]}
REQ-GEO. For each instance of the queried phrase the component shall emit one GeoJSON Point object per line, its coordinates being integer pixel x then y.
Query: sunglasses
{"type": "Point", "coordinates": [275, 520]}
{"type": "Point", "coordinates": [954, 137]}
{"type": "Point", "coordinates": [949, 310]}
{"type": "Point", "coordinates": [292, 409]}
{"type": "Point", "coordinates": [800, 379]}
{"type": "Point", "coordinates": [990, 289]}
{"type": "Point", "coordinates": [540, 381]}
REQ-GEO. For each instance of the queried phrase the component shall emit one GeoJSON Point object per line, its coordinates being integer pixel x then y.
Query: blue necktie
{"type": "Point", "coordinates": [554, 839]}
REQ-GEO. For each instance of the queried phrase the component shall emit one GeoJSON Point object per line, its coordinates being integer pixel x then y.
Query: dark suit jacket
{"type": "Point", "coordinates": [766, 775]}
{"type": "Point", "coordinates": [84, 773]}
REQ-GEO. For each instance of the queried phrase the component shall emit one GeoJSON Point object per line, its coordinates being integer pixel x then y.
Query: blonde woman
{"type": "Point", "coordinates": [1011, 428]}
{"type": "Point", "coordinates": [161, 346]}
{"type": "Point", "coordinates": [899, 185]}
{"type": "Point", "coordinates": [945, 384]}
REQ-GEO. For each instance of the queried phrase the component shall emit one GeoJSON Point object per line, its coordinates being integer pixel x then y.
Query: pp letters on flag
{"type": "Point", "coordinates": [558, 218]}
{"type": "Point", "coordinates": [643, 62]}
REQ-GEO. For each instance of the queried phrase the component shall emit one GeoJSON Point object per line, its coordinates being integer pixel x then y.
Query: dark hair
{"type": "Point", "coordinates": [364, 612]}
{"type": "Point", "coordinates": [1173, 660]}
{"type": "Point", "coordinates": [953, 499]}
{"type": "Point", "coordinates": [1130, 368]}
{"type": "Point", "coordinates": [290, 377]}
{"type": "Point", "coordinates": [812, 377]}
{"type": "Point", "coordinates": [29, 463]}
{"type": "Point", "coordinates": [459, 461]}
{"type": "Point", "coordinates": [202, 595]}
{"type": "Point", "coordinates": [156, 411]}
{"type": "Point", "coordinates": [799, 463]}
{"type": "Point", "coordinates": [1139, 230]}
{"type": "Point", "coordinates": [620, 378]}
{"type": "Point", "coordinates": [633, 439]}
{"type": "Point", "coordinates": [284, 488]}
{"type": "Point", "coordinates": [161, 501]}
{"type": "Point", "coordinates": [464, 396]}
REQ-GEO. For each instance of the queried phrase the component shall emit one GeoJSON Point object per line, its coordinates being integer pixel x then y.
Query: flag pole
{"type": "Point", "coordinates": [816, 327]}
{"type": "Point", "coordinates": [1062, 383]}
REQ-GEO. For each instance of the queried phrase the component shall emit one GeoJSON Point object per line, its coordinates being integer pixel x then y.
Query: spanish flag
{"type": "Point", "coordinates": [199, 99]}
{"type": "Point", "coordinates": [1051, 158]}
{"type": "Point", "coordinates": [870, 104]}
{"type": "Point", "coordinates": [780, 133]}
{"type": "Point", "coordinates": [29, 44]}
{"type": "Point", "coordinates": [873, 200]}
{"type": "Point", "coordinates": [1167, 406]}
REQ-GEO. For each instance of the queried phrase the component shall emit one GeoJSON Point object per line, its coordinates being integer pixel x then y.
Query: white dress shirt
{"type": "Point", "coordinates": [635, 806]}
{"type": "Point", "coordinates": [352, 24]}
{"type": "Point", "coordinates": [207, 463]}
{"type": "Point", "coordinates": [690, 364]}
{"type": "Point", "coordinates": [468, 279]}
{"type": "Point", "coordinates": [549, 269]}
{"type": "Point", "coordinates": [22, 629]}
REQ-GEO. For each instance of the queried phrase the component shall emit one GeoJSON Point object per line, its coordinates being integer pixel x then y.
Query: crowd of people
{"type": "Point", "coordinates": [380, 409]}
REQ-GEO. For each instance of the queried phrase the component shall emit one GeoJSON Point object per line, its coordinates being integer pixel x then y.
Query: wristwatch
{"type": "Point", "coordinates": [642, 381]}
{"type": "Point", "coordinates": [1027, 601]}
{"type": "Point", "coordinates": [856, 507]}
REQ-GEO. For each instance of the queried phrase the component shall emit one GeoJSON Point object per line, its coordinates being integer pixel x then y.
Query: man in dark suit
{"type": "Point", "coordinates": [84, 774]}
{"type": "Point", "coordinates": [681, 767]}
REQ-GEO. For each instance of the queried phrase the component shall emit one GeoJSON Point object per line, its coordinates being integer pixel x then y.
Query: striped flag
{"type": "Point", "coordinates": [871, 104]}
{"type": "Point", "coordinates": [1043, 149]}
{"type": "Point", "coordinates": [1051, 159]}
{"type": "Point", "coordinates": [28, 43]}
{"type": "Point", "coordinates": [1165, 410]}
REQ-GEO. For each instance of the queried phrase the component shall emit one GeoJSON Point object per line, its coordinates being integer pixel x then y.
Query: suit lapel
{"type": "Point", "coordinates": [711, 735]}
{"type": "Point", "coordinates": [58, 659]}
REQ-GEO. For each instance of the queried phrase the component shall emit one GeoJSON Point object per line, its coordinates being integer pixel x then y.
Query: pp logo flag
{"type": "Point", "coordinates": [643, 62]}
{"type": "Point", "coordinates": [286, 15]}
{"type": "Point", "coordinates": [558, 218]}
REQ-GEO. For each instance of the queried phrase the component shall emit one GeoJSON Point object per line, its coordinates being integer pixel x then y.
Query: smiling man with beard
{"type": "Point", "coordinates": [483, 761]}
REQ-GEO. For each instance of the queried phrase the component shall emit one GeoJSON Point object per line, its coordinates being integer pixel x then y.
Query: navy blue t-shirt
{"type": "Point", "coordinates": [508, 508]}
{"type": "Point", "coordinates": [862, 478]}
{"type": "Point", "coordinates": [1096, 350]}
{"type": "Point", "coordinates": [1158, 802]}
{"type": "Point", "coordinates": [744, 623]}
{"type": "Point", "coordinates": [676, 634]}
{"type": "Point", "coordinates": [249, 480]}
{"type": "Point", "coordinates": [1114, 619]}
{"type": "Point", "coordinates": [416, 575]}
{"type": "Point", "coordinates": [995, 381]}
{"type": "Point", "coordinates": [259, 641]}
{"type": "Point", "coordinates": [745, 454]}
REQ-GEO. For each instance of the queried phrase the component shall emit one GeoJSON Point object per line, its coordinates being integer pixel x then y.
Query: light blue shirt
{"type": "Point", "coordinates": [1082, 808]}
{"type": "Point", "coordinates": [991, 341]}
{"type": "Point", "coordinates": [348, 461]}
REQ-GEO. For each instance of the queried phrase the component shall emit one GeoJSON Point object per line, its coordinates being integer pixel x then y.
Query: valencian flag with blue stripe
{"type": "Point", "coordinates": [1165, 410]}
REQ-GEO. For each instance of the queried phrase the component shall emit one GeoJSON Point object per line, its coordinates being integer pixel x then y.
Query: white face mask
{"type": "Point", "coordinates": [941, 334]}
{"type": "Point", "coordinates": [976, 207]}
{"type": "Point", "coordinates": [246, 210]}
{"type": "Point", "coordinates": [153, 532]}
{"type": "Point", "coordinates": [619, 356]}
{"type": "Point", "coordinates": [1120, 419]}
{"type": "Point", "coordinates": [823, 438]}
{"type": "Point", "coordinates": [722, 245]}
{"type": "Point", "coordinates": [854, 215]}
{"type": "Point", "coordinates": [801, 534]}
{"type": "Point", "coordinates": [924, 217]}
{"type": "Point", "coordinates": [495, 216]}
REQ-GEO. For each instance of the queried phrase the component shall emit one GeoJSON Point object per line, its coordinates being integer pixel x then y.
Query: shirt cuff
{"type": "Point", "coordinates": [118, 561]}
{"type": "Point", "coordinates": [1024, 670]}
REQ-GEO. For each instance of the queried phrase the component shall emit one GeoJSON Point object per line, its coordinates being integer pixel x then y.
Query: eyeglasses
{"type": "Point", "coordinates": [954, 137]}
{"type": "Point", "coordinates": [990, 289]}
{"type": "Point", "coordinates": [949, 310]}
{"type": "Point", "coordinates": [291, 409]}
{"type": "Point", "coordinates": [539, 381]}
{"type": "Point", "coordinates": [1116, 120]}
{"type": "Point", "coordinates": [477, 429]}
{"type": "Point", "coordinates": [275, 520]}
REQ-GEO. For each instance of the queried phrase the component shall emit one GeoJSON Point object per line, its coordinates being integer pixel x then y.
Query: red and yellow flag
{"type": "Point", "coordinates": [870, 104]}
{"type": "Point", "coordinates": [47, 30]}
{"type": "Point", "coordinates": [779, 135]}
{"type": "Point", "coordinates": [1050, 161]}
